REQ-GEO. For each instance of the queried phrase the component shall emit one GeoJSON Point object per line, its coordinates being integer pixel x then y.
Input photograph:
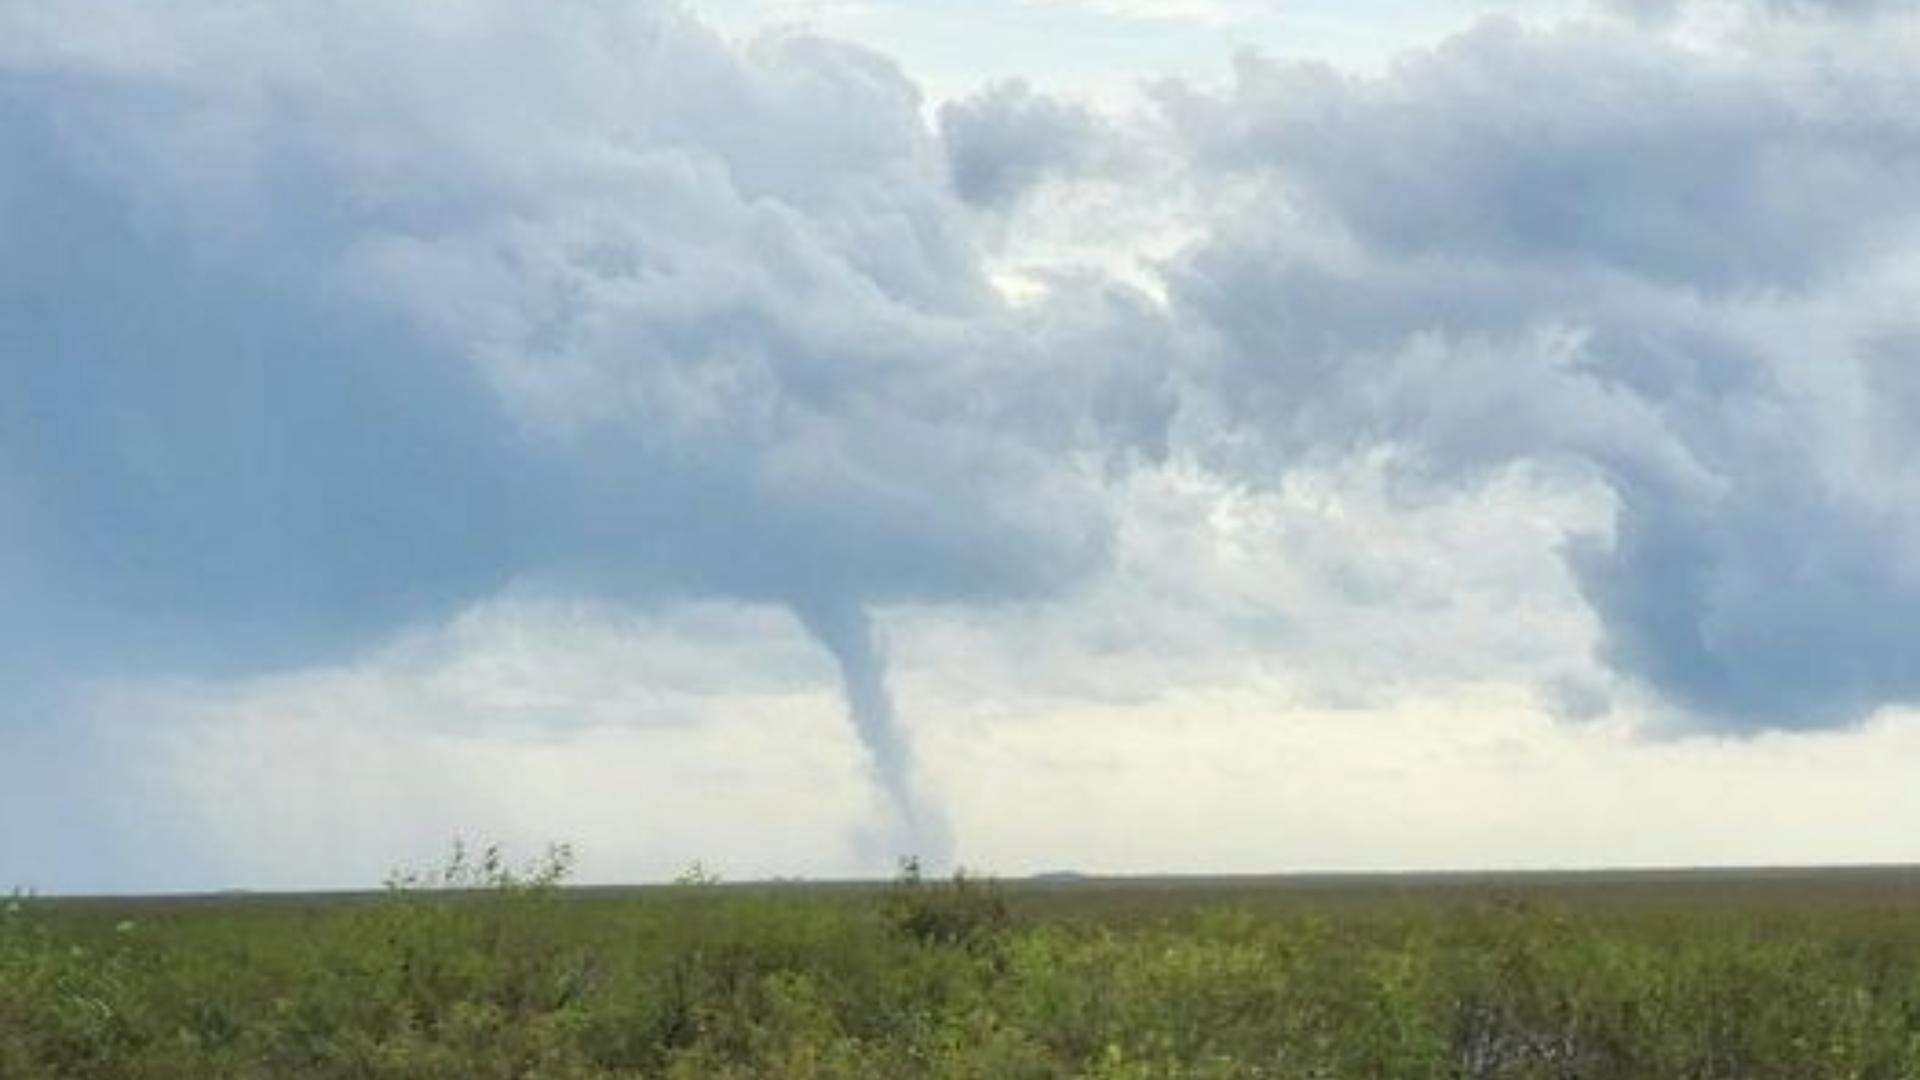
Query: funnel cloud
{"type": "Point", "coordinates": [918, 829]}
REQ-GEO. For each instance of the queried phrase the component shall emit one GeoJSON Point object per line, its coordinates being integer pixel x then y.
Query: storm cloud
{"type": "Point", "coordinates": [321, 320]}
{"type": "Point", "coordinates": [1599, 246]}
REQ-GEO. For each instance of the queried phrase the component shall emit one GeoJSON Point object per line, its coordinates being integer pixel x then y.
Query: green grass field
{"type": "Point", "coordinates": [481, 972]}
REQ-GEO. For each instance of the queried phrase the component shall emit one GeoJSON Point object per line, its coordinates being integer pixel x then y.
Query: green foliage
{"type": "Point", "coordinates": [60, 1002]}
{"type": "Point", "coordinates": [488, 871]}
{"type": "Point", "coordinates": [965, 913]}
{"type": "Point", "coordinates": [481, 969]}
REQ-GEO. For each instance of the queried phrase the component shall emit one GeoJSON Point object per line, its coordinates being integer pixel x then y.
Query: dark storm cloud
{"type": "Point", "coordinates": [313, 325]}
{"type": "Point", "coordinates": [1775, 603]}
{"type": "Point", "coordinates": [745, 350]}
{"type": "Point", "coordinates": [1576, 246]}
{"type": "Point", "coordinates": [319, 320]}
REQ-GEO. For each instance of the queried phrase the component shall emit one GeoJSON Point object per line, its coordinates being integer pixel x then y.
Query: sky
{"type": "Point", "coordinates": [1123, 436]}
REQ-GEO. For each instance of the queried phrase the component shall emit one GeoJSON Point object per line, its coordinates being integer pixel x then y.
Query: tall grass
{"type": "Point", "coordinates": [481, 970]}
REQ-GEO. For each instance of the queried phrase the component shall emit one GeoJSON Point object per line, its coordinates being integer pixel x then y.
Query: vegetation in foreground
{"type": "Point", "coordinates": [482, 972]}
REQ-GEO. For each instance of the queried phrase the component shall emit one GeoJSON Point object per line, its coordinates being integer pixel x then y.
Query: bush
{"type": "Point", "coordinates": [965, 912]}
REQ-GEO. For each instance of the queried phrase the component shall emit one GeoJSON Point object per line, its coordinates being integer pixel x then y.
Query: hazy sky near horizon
{"type": "Point", "coordinates": [1121, 435]}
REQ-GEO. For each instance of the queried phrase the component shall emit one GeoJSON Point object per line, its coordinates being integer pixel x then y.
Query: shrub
{"type": "Point", "coordinates": [965, 912]}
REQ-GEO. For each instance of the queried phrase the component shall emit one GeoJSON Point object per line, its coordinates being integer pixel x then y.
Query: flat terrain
{"type": "Point", "coordinates": [479, 972]}
{"type": "Point", "coordinates": [1072, 894]}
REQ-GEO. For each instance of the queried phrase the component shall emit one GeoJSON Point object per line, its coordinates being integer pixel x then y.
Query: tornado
{"type": "Point", "coordinates": [914, 825]}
